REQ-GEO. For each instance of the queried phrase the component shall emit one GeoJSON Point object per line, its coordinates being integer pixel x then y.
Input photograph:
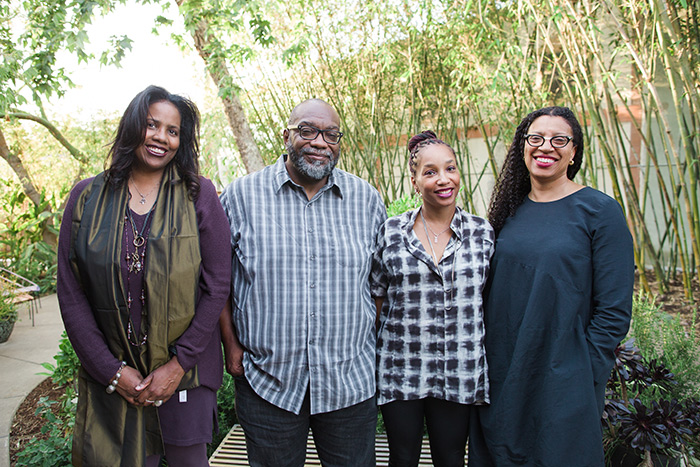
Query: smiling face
{"type": "Point", "coordinates": [311, 160]}
{"type": "Point", "coordinates": [547, 163]}
{"type": "Point", "coordinates": [162, 138]}
{"type": "Point", "coordinates": [437, 176]}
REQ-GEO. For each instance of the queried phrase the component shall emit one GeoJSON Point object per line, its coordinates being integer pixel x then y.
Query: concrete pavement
{"type": "Point", "coordinates": [20, 361]}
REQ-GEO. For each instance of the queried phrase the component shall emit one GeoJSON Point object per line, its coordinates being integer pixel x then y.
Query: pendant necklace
{"type": "Point", "coordinates": [135, 262]}
{"type": "Point", "coordinates": [427, 227]}
{"type": "Point", "coordinates": [143, 197]}
{"type": "Point", "coordinates": [432, 251]}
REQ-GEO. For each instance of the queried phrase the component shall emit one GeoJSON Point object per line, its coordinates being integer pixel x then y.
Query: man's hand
{"type": "Point", "coordinates": [233, 350]}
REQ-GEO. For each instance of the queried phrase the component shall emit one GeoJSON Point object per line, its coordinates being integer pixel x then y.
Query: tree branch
{"type": "Point", "coordinates": [75, 152]}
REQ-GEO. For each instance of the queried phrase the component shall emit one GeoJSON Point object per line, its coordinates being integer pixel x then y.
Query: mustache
{"type": "Point", "coordinates": [313, 152]}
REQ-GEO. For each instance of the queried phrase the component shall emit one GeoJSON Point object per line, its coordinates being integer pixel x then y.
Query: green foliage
{"type": "Point", "coordinates": [55, 451]}
{"type": "Point", "coordinates": [65, 371]}
{"type": "Point", "coordinates": [59, 416]}
{"type": "Point", "coordinates": [667, 339]}
{"type": "Point", "coordinates": [8, 309]}
{"type": "Point", "coordinates": [22, 231]}
{"type": "Point", "coordinates": [225, 399]}
{"type": "Point", "coordinates": [403, 204]}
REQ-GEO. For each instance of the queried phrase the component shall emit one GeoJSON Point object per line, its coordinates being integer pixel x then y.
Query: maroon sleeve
{"type": "Point", "coordinates": [214, 278]}
{"type": "Point", "coordinates": [87, 339]}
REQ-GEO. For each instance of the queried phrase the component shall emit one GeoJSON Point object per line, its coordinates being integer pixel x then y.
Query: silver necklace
{"type": "Point", "coordinates": [427, 226]}
{"type": "Point", "coordinates": [454, 260]}
{"type": "Point", "coordinates": [430, 244]}
{"type": "Point", "coordinates": [143, 197]}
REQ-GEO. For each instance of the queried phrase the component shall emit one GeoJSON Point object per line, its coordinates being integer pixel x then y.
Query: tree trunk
{"type": "Point", "coordinates": [216, 66]}
{"type": "Point", "coordinates": [27, 185]}
{"type": "Point", "coordinates": [18, 168]}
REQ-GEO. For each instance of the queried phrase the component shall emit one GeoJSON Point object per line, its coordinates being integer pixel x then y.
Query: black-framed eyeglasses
{"type": "Point", "coordinates": [310, 133]}
{"type": "Point", "coordinates": [556, 141]}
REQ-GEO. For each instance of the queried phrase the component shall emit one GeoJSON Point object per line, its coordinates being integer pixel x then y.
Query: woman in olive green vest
{"type": "Point", "coordinates": [144, 272]}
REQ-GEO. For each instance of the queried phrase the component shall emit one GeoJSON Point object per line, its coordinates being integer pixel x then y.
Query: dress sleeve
{"type": "Point", "coordinates": [613, 282]}
{"type": "Point", "coordinates": [82, 330]}
{"type": "Point", "coordinates": [214, 278]}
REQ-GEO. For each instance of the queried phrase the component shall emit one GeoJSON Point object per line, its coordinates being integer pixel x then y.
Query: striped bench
{"type": "Point", "coordinates": [231, 451]}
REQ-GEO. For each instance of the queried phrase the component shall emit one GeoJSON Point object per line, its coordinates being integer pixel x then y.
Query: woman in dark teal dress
{"type": "Point", "coordinates": [559, 300]}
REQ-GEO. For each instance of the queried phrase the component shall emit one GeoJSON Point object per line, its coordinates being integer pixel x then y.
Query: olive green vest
{"type": "Point", "coordinates": [108, 430]}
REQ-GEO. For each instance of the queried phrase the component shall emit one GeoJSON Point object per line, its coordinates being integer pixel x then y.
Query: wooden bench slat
{"type": "Point", "coordinates": [232, 451]}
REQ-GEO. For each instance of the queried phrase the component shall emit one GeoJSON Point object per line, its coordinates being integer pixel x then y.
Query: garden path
{"type": "Point", "coordinates": [20, 361]}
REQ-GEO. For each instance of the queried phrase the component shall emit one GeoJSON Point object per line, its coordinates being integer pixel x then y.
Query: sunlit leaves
{"type": "Point", "coordinates": [119, 46]}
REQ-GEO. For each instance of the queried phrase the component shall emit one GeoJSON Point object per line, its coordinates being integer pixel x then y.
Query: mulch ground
{"type": "Point", "coordinates": [26, 425]}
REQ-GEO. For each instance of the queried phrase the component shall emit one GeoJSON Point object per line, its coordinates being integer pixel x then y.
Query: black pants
{"type": "Point", "coordinates": [448, 428]}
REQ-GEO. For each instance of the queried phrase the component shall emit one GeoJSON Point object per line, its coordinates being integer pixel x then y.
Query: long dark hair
{"type": "Point", "coordinates": [132, 133]}
{"type": "Point", "coordinates": [513, 182]}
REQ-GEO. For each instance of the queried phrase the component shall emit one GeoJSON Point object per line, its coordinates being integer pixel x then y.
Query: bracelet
{"type": "Point", "coordinates": [113, 385]}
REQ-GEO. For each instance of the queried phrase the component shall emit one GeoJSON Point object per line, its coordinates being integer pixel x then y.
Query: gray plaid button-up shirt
{"type": "Point", "coordinates": [301, 302]}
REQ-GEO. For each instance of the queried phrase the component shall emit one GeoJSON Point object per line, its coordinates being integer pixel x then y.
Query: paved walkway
{"type": "Point", "coordinates": [20, 361]}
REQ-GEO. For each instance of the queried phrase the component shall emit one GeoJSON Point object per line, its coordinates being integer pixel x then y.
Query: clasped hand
{"type": "Point", "coordinates": [159, 385]}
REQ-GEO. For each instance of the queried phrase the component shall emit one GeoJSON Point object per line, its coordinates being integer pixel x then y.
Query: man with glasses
{"type": "Point", "coordinates": [300, 335]}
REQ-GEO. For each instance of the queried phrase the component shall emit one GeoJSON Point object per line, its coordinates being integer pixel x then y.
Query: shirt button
{"type": "Point", "coordinates": [312, 342]}
{"type": "Point", "coordinates": [313, 285]}
{"type": "Point", "coordinates": [313, 257]}
{"type": "Point", "coordinates": [312, 314]}
{"type": "Point", "coordinates": [310, 229]}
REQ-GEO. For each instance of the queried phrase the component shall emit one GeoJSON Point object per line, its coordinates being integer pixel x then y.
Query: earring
{"type": "Point", "coordinates": [571, 162]}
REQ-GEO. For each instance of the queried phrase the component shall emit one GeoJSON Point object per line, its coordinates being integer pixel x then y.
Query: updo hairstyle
{"type": "Point", "coordinates": [418, 142]}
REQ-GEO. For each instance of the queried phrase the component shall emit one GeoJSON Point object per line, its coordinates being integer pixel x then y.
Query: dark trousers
{"type": "Point", "coordinates": [277, 438]}
{"type": "Point", "coordinates": [448, 428]}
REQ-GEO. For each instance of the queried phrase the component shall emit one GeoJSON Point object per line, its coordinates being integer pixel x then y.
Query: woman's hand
{"type": "Point", "coordinates": [161, 384]}
{"type": "Point", "coordinates": [126, 387]}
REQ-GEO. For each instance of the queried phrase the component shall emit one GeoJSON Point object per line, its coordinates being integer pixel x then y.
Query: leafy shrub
{"type": "Point", "coordinates": [65, 371]}
{"type": "Point", "coordinates": [652, 403]}
{"type": "Point", "coordinates": [225, 400]}
{"type": "Point", "coordinates": [665, 338]}
{"type": "Point", "coordinates": [23, 233]}
{"type": "Point", "coordinates": [403, 204]}
{"type": "Point", "coordinates": [55, 451]}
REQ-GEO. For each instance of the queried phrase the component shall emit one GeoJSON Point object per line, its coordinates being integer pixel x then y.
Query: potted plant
{"type": "Point", "coordinates": [8, 316]}
{"type": "Point", "coordinates": [642, 425]}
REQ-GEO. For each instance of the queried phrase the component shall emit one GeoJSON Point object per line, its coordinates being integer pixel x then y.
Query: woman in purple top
{"type": "Point", "coordinates": [143, 274]}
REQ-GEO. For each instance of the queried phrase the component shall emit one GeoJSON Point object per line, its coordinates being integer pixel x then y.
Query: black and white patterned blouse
{"type": "Point", "coordinates": [431, 329]}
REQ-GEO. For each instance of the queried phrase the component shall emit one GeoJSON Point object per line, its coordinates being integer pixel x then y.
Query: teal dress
{"type": "Point", "coordinates": [558, 301]}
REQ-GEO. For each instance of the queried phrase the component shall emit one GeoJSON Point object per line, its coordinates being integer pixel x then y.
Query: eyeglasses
{"type": "Point", "coordinates": [310, 133]}
{"type": "Point", "coordinates": [556, 141]}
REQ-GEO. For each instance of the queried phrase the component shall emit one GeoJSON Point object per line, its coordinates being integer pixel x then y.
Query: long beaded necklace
{"type": "Point", "coordinates": [432, 251]}
{"type": "Point", "coordinates": [135, 262]}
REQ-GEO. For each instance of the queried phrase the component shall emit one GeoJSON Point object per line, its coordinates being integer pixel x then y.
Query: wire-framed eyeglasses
{"type": "Point", "coordinates": [556, 141]}
{"type": "Point", "coordinates": [310, 133]}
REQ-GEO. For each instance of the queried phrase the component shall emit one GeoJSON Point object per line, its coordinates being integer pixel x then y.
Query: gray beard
{"type": "Point", "coordinates": [316, 170]}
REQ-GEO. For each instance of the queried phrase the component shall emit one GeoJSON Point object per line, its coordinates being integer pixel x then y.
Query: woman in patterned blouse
{"type": "Point", "coordinates": [428, 274]}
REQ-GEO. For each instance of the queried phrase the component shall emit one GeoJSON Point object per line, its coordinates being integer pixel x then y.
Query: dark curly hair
{"type": "Point", "coordinates": [513, 182]}
{"type": "Point", "coordinates": [418, 142]}
{"type": "Point", "coordinates": [132, 133]}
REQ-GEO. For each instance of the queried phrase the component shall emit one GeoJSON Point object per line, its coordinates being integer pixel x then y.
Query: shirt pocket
{"type": "Point", "coordinates": [349, 247]}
